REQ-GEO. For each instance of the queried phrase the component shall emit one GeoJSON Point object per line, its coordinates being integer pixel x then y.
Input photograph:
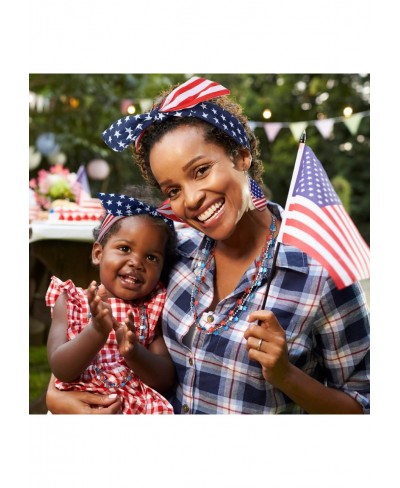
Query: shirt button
{"type": "Point", "coordinates": [191, 361]}
{"type": "Point", "coordinates": [185, 408]}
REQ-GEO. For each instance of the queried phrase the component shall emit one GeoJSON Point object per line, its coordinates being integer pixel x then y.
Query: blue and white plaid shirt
{"type": "Point", "coordinates": [327, 333]}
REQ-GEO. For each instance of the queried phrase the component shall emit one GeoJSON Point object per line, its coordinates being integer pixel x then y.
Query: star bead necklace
{"type": "Point", "coordinates": [262, 271]}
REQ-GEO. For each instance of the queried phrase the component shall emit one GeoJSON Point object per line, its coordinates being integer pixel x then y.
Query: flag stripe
{"type": "Point", "coordinates": [339, 231]}
{"type": "Point", "coordinates": [341, 280]}
{"type": "Point", "coordinates": [191, 93]}
{"type": "Point", "coordinates": [353, 237]}
{"type": "Point", "coordinates": [314, 221]}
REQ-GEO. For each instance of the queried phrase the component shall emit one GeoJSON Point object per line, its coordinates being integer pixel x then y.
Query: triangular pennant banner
{"type": "Point", "coordinates": [297, 129]}
{"type": "Point", "coordinates": [252, 125]}
{"type": "Point", "coordinates": [353, 123]}
{"type": "Point", "coordinates": [325, 126]}
{"type": "Point", "coordinates": [272, 129]}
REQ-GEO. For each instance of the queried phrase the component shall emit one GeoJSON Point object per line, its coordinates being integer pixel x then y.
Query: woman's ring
{"type": "Point", "coordinates": [259, 344]}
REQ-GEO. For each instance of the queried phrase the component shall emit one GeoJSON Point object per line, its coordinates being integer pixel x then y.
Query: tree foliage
{"type": "Point", "coordinates": [81, 106]}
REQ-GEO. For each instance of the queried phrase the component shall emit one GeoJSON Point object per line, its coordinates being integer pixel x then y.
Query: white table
{"type": "Point", "coordinates": [40, 230]}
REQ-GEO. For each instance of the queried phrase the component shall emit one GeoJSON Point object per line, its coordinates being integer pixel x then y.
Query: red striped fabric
{"type": "Point", "coordinates": [191, 93]}
{"type": "Point", "coordinates": [166, 210]}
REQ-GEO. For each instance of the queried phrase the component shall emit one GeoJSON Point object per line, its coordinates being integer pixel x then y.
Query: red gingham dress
{"type": "Point", "coordinates": [109, 367]}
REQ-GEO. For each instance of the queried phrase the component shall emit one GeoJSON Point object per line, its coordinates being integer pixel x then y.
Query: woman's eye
{"type": "Point", "coordinates": [172, 193]}
{"type": "Point", "coordinates": [201, 170]}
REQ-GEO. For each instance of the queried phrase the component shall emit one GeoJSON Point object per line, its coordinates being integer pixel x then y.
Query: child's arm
{"type": "Point", "coordinates": [68, 359]}
{"type": "Point", "coordinates": [154, 365]}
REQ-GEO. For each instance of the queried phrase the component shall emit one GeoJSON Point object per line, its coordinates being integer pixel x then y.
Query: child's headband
{"type": "Point", "coordinates": [120, 206]}
{"type": "Point", "coordinates": [187, 100]}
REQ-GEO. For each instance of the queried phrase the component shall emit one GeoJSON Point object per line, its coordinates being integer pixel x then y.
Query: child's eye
{"type": "Point", "coordinates": [124, 248]}
{"type": "Point", "coordinates": [152, 258]}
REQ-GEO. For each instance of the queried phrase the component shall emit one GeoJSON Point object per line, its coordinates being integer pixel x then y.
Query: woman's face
{"type": "Point", "coordinates": [132, 259]}
{"type": "Point", "coordinates": [207, 189]}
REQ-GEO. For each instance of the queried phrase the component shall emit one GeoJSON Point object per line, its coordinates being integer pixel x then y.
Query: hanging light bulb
{"type": "Point", "coordinates": [267, 114]}
{"type": "Point", "coordinates": [347, 111]}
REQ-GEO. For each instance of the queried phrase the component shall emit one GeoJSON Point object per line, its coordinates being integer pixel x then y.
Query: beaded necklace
{"type": "Point", "coordinates": [263, 270]}
{"type": "Point", "coordinates": [99, 372]}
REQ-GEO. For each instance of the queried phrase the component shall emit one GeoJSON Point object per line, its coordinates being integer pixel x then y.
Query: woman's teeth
{"type": "Point", "coordinates": [210, 211]}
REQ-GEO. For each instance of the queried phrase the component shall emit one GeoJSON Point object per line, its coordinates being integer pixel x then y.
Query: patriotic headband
{"type": "Point", "coordinates": [187, 100]}
{"type": "Point", "coordinates": [120, 206]}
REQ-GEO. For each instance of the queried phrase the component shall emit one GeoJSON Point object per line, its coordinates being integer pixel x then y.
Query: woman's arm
{"type": "Point", "coordinates": [68, 359]}
{"type": "Point", "coordinates": [80, 402]}
{"type": "Point", "coordinates": [154, 365]}
{"type": "Point", "coordinates": [310, 394]}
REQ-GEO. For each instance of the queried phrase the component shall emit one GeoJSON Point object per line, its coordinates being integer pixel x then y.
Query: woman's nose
{"type": "Point", "coordinates": [194, 198]}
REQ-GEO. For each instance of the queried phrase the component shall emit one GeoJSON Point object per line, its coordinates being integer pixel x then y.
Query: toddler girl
{"type": "Point", "coordinates": [106, 339]}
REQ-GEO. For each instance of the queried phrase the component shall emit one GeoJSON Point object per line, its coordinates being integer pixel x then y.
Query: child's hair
{"type": "Point", "coordinates": [211, 134]}
{"type": "Point", "coordinates": [147, 195]}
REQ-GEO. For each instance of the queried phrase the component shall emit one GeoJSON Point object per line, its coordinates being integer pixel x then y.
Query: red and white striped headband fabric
{"type": "Point", "coordinates": [187, 100]}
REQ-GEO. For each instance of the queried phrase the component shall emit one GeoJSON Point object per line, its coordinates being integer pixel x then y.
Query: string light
{"type": "Point", "coordinates": [347, 111]}
{"type": "Point", "coordinates": [267, 114]}
{"type": "Point", "coordinates": [74, 102]}
{"type": "Point", "coordinates": [131, 109]}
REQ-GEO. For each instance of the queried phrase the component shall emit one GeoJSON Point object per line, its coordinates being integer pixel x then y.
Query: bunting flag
{"type": "Point", "coordinates": [353, 123]}
{"type": "Point", "coordinates": [297, 128]}
{"type": "Point", "coordinates": [316, 222]}
{"type": "Point", "coordinates": [324, 126]}
{"type": "Point", "coordinates": [272, 129]}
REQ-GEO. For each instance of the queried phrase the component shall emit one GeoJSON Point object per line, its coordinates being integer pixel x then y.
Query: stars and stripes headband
{"type": "Point", "coordinates": [119, 206]}
{"type": "Point", "coordinates": [187, 100]}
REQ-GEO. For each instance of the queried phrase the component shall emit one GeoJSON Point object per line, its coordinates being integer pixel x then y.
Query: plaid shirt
{"type": "Point", "coordinates": [327, 333]}
{"type": "Point", "coordinates": [108, 372]}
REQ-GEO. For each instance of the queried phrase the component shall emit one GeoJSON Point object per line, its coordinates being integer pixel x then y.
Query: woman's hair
{"type": "Point", "coordinates": [211, 134]}
{"type": "Point", "coordinates": [145, 194]}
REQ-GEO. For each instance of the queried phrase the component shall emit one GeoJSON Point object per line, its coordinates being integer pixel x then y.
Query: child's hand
{"type": "Point", "coordinates": [126, 337]}
{"type": "Point", "coordinates": [102, 318]}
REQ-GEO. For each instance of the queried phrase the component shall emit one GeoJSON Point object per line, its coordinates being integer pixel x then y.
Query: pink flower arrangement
{"type": "Point", "coordinates": [58, 183]}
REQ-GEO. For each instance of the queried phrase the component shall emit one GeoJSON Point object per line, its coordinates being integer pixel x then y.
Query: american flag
{"type": "Point", "coordinates": [88, 206]}
{"type": "Point", "coordinates": [81, 185]}
{"type": "Point", "coordinates": [259, 200]}
{"type": "Point", "coordinates": [316, 222]}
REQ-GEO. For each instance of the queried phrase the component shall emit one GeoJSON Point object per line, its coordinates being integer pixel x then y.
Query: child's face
{"type": "Point", "coordinates": [132, 259]}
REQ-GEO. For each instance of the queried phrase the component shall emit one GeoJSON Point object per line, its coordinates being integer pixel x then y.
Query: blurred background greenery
{"type": "Point", "coordinates": [77, 108]}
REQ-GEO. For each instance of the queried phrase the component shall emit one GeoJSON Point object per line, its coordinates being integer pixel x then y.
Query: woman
{"type": "Point", "coordinates": [308, 350]}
